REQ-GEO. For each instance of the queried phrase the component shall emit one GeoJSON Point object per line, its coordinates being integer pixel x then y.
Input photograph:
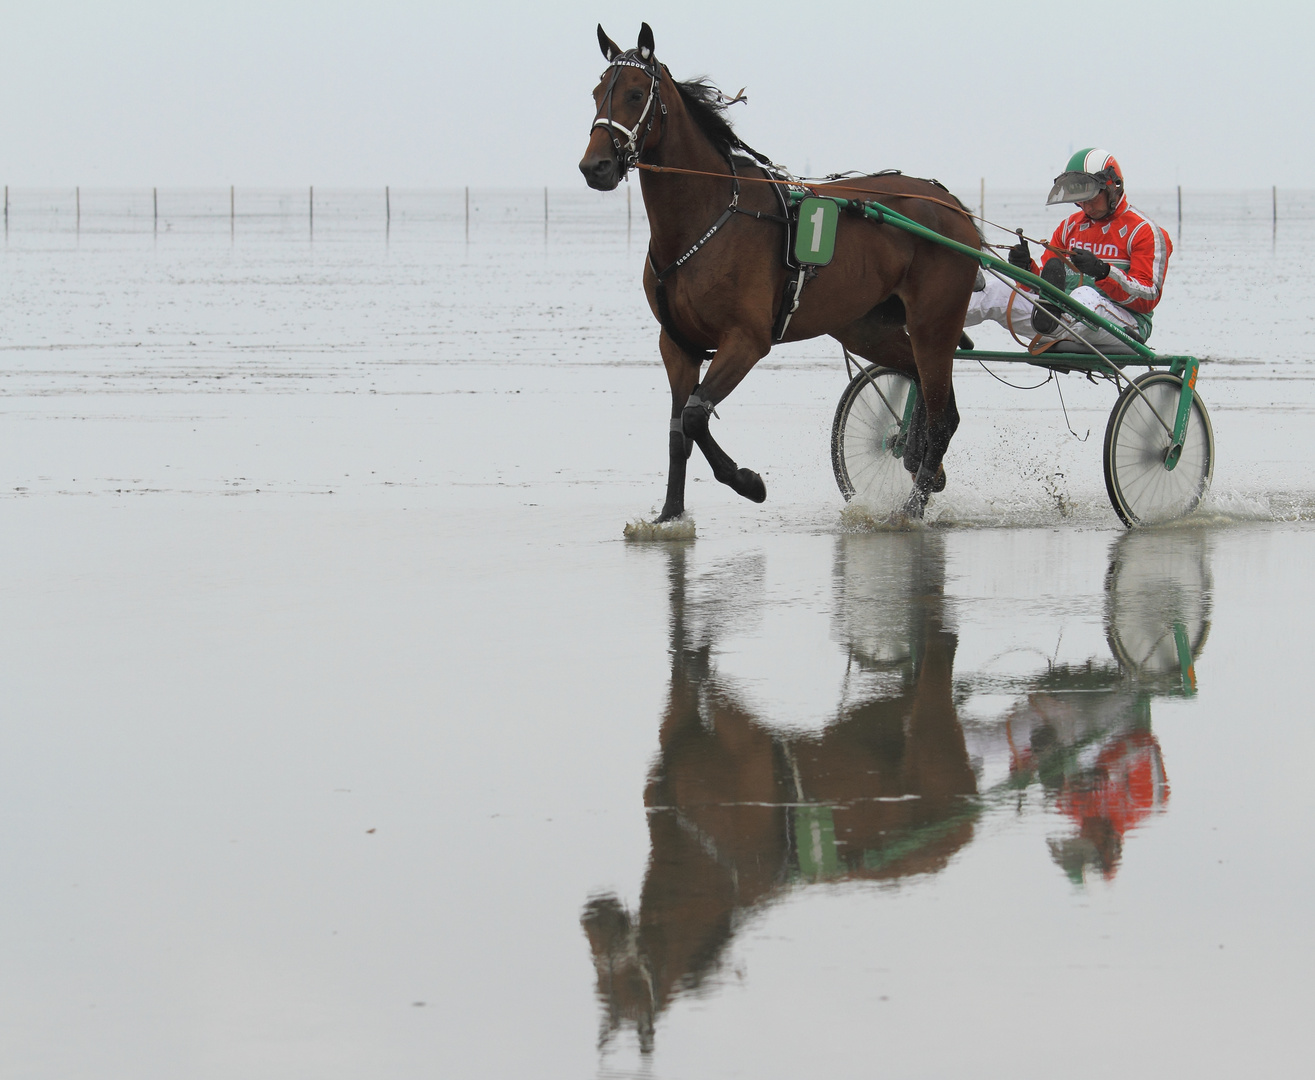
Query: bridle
{"type": "Point", "coordinates": [628, 152]}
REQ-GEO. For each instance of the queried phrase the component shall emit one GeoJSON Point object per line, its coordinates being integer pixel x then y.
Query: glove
{"type": "Point", "coordinates": [1089, 265]}
{"type": "Point", "coordinates": [1020, 255]}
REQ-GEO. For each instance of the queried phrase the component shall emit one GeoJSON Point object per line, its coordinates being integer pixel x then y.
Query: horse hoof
{"type": "Point", "coordinates": [938, 484]}
{"type": "Point", "coordinates": [749, 484]}
{"type": "Point", "coordinates": [914, 506]}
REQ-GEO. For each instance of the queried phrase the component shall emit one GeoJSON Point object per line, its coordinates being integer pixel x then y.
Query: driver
{"type": "Point", "coordinates": [1120, 254]}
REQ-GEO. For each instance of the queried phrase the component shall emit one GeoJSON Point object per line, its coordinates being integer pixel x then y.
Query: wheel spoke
{"type": "Point", "coordinates": [1140, 486]}
{"type": "Point", "coordinates": [865, 430]}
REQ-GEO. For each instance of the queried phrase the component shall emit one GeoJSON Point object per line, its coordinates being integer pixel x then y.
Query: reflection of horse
{"type": "Point", "coordinates": [715, 277]}
{"type": "Point", "coordinates": [738, 812]}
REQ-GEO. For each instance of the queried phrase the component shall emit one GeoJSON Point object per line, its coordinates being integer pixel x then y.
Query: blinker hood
{"type": "Point", "coordinates": [1073, 187]}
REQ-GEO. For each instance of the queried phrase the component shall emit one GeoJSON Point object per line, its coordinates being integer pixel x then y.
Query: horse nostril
{"type": "Point", "coordinates": [599, 172]}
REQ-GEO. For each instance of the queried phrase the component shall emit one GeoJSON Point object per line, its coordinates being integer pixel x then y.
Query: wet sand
{"type": "Point", "coordinates": [347, 737]}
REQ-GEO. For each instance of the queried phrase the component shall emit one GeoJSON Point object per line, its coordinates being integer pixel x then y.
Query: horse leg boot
{"type": "Point", "coordinates": [915, 447]}
{"type": "Point", "coordinates": [915, 439]}
{"type": "Point", "coordinates": [694, 424]}
{"type": "Point", "coordinates": [931, 475]}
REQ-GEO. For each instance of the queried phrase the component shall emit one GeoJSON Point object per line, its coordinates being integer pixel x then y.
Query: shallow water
{"type": "Point", "coordinates": [347, 737]}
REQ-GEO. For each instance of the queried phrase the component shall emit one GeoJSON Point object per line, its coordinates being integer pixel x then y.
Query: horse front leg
{"type": "Point", "coordinates": [735, 358]}
{"type": "Point", "coordinates": [683, 375]}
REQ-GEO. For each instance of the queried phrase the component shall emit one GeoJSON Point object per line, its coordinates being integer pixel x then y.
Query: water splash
{"type": "Point", "coordinates": [640, 531]}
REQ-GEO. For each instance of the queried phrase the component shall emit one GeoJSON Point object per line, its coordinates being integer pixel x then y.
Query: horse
{"type": "Point", "coordinates": [716, 280]}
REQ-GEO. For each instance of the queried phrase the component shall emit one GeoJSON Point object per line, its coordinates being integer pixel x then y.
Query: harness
{"type": "Point", "coordinates": [795, 278]}
{"type": "Point", "coordinates": [628, 154]}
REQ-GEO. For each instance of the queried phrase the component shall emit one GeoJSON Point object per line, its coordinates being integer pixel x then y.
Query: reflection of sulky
{"type": "Point", "coordinates": [1086, 735]}
{"type": "Point", "coordinates": [739, 813]}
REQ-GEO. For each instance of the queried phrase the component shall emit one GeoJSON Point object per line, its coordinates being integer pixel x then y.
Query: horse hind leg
{"type": "Point", "coordinates": [694, 425]}
{"type": "Point", "coordinates": [934, 335]}
{"type": "Point", "coordinates": [930, 476]}
{"type": "Point", "coordinates": [915, 448]}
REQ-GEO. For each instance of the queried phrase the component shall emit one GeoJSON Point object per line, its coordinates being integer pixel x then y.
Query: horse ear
{"type": "Point", "coordinates": [646, 42]}
{"type": "Point", "coordinates": [610, 48]}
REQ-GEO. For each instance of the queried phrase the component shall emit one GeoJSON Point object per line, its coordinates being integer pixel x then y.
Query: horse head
{"type": "Point", "coordinates": [625, 983]}
{"type": "Point", "coordinates": [627, 102]}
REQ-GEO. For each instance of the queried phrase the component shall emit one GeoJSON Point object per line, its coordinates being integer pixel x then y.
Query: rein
{"type": "Point", "coordinates": [831, 186]}
{"type": "Point", "coordinates": [813, 188]}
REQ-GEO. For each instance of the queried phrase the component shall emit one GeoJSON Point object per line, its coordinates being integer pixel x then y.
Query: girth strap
{"type": "Point", "coordinates": [794, 290]}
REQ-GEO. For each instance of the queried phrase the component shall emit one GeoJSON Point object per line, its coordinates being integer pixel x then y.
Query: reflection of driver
{"type": "Point", "coordinates": [1121, 257]}
{"type": "Point", "coordinates": [1094, 753]}
{"type": "Point", "coordinates": [1124, 784]}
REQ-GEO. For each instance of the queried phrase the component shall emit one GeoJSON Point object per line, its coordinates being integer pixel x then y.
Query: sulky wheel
{"type": "Point", "coordinates": [1157, 604]}
{"type": "Point", "coordinates": [1142, 490]}
{"type": "Point", "coordinates": [867, 438]}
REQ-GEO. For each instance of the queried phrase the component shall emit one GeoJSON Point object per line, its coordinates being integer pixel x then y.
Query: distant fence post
{"type": "Point", "coordinates": [1180, 212]}
{"type": "Point", "coordinates": [155, 208]}
{"type": "Point", "coordinates": [232, 207]}
{"type": "Point", "coordinates": [77, 196]}
{"type": "Point", "coordinates": [312, 208]}
{"type": "Point", "coordinates": [6, 206]}
{"type": "Point", "coordinates": [388, 207]}
{"type": "Point", "coordinates": [545, 208]}
{"type": "Point", "coordinates": [1273, 192]}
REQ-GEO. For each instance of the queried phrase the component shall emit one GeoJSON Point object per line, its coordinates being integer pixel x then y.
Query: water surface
{"type": "Point", "coordinates": [346, 737]}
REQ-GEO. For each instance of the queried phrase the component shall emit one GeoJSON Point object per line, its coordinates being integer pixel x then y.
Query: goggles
{"type": "Point", "coordinates": [1075, 187]}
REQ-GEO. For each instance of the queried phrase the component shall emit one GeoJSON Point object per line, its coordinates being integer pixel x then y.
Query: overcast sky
{"type": "Point", "coordinates": [496, 93]}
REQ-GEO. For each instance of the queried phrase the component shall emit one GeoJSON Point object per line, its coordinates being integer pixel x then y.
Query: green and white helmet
{"type": "Point", "coordinates": [1087, 174]}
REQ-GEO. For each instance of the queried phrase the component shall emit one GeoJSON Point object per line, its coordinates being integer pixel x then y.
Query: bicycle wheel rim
{"type": "Point", "coordinates": [1142, 490]}
{"type": "Point", "coordinates": [868, 430]}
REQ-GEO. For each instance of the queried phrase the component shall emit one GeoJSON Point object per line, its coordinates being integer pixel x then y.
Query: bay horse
{"type": "Point", "coordinates": [715, 275]}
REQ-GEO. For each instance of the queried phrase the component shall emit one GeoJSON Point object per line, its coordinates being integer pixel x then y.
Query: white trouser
{"type": "Point", "coordinates": [992, 303]}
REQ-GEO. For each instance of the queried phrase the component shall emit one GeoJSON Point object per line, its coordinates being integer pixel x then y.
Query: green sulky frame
{"type": "Point", "coordinates": [1185, 367]}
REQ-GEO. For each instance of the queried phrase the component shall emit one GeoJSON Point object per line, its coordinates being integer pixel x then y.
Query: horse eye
{"type": "Point", "coordinates": [634, 97]}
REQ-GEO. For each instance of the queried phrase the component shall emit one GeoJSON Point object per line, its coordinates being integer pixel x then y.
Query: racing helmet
{"type": "Point", "coordinates": [1088, 173]}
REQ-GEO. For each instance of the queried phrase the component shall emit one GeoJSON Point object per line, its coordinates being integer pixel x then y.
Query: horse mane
{"type": "Point", "coordinates": [706, 104]}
